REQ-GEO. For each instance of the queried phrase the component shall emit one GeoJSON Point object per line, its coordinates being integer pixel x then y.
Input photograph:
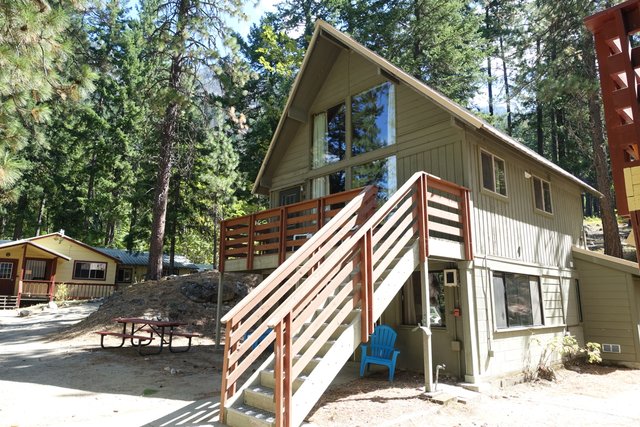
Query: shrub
{"type": "Point", "coordinates": [62, 293]}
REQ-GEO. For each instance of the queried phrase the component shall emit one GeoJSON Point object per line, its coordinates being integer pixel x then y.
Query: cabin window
{"type": "Point", "coordinates": [517, 300]}
{"type": "Point", "coordinates": [328, 184]}
{"type": "Point", "coordinates": [290, 195]}
{"type": "Point", "coordinates": [90, 270]}
{"type": "Point", "coordinates": [329, 142]}
{"type": "Point", "coordinates": [493, 173]}
{"type": "Point", "coordinates": [373, 119]}
{"type": "Point", "coordinates": [542, 195]}
{"type": "Point", "coordinates": [381, 173]}
{"type": "Point", "coordinates": [35, 269]}
{"type": "Point", "coordinates": [6, 270]}
{"type": "Point", "coordinates": [124, 275]}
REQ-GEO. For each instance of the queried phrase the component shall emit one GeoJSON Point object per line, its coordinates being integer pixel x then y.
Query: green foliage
{"type": "Point", "coordinates": [62, 293]}
{"type": "Point", "coordinates": [569, 351]}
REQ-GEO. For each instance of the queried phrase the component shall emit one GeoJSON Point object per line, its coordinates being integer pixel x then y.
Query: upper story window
{"type": "Point", "coordinates": [329, 142]}
{"type": "Point", "coordinates": [373, 119]}
{"type": "Point", "coordinates": [542, 195]}
{"type": "Point", "coordinates": [381, 173]}
{"type": "Point", "coordinates": [517, 300]}
{"type": "Point", "coordinates": [493, 173]}
{"type": "Point", "coordinates": [90, 270]}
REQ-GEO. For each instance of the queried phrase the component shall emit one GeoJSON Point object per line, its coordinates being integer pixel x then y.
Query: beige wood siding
{"type": "Point", "coordinates": [76, 252]}
{"type": "Point", "coordinates": [511, 227]}
{"type": "Point", "coordinates": [608, 297]}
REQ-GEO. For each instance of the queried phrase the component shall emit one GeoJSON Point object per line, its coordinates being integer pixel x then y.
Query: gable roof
{"type": "Point", "coordinates": [339, 40]}
{"type": "Point", "coordinates": [77, 242]}
{"type": "Point", "coordinates": [11, 243]}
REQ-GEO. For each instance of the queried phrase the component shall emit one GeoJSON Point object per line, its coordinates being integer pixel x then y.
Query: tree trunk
{"type": "Point", "coordinates": [612, 244]}
{"type": "Point", "coordinates": [507, 91]}
{"type": "Point", "coordinates": [487, 21]}
{"type": "Point", "coordinates": [41, 214]}
{"type": "Point", "coordinates": [165, 163]}
{"type": "Point", "coordinates": [23, 201]}
{"type": "Point", "coordinates": [539, 116]}
{"type": "Point", "coordinates": [174, 225]}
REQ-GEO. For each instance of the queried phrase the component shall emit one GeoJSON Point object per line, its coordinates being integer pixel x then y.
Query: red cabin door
{"type": "Point", "coordinates": [7, 276]}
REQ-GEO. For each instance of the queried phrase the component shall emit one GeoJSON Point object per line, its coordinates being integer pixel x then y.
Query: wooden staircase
{"type": "Point", "coordinates": [8, 302]}
{"type": "Point", "coordinates": [322, 302]}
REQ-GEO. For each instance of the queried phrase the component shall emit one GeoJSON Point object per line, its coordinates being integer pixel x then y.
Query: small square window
{"type": "Point", "coordinates": [542, 195]}
{"type": "Point", "coordinates": [493, 173]}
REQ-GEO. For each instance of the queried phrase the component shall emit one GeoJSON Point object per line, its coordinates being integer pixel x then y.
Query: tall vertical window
{"type": "Point", "coordinates": [517, 300]}
{"type": "Point", "coordinates": [381, 173]}
{"type": "Point", "coordinates": [493, 173]}
{"type": "Point", "coordinates": [542, 195]}
{"type": "Point", "coordinates": [373, 119]}
{"type": "Point", "coordinates": [329, 142]}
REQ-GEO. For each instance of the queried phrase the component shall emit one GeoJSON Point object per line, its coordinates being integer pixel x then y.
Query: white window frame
{"type": "Point", "coordinates": [544, 209]}
{"type": "Point", "coordinates": [494, 159]}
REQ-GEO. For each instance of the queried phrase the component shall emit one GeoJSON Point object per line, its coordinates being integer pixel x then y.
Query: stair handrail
{"type": "Point", "coordinates": [282, 320]}
{"type": "Point", "coordinates": [279, 282]}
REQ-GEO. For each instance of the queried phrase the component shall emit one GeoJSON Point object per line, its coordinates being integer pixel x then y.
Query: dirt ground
{"type": "Point", "coordinates": [49, 381]}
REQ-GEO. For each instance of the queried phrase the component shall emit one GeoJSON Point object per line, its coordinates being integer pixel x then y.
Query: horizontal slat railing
{"type": "Point", "coordinates": [278, 231]}
{"type": "Point", "coordinates": [342, 262]}
{"type": "Point", "coordinates": [349, 273]}
{"type": "Point", "coordinates": [246, 323]}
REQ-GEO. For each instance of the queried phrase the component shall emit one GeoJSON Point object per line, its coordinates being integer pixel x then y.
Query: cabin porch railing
{"type": "Point", "coordinates": [342, 261]}
{"type": "Point", "coordinates": [279, 231]}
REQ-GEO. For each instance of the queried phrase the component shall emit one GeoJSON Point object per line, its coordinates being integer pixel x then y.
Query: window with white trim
{"type": "Point", "coordinates": [6, 270]}
{"type": "Point", "coordinates": [493, 173]}
{"type": "Point", "coordinates": [542, 195]}
{"type": "Point", "coordinates": [373, 119]}
{"type": "Point", "coordinates": [90, 270]}
{"type": "Point", "coordinates": [517, 300]}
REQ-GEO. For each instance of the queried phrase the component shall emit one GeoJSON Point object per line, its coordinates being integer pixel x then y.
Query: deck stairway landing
{"type": "Point", "coordinates": [317, 307]}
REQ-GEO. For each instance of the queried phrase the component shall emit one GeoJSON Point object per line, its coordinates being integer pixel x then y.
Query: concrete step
{"type": "Point", "coordinates": [323, 350]}
{"type": "Point", "coordinates": [260, 397]}
{"type": "Point", "coordinates": [246, 416]}
{"type": "Point", "coordinates": [310, 366]}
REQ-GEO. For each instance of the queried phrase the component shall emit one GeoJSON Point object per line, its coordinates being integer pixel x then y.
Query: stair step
{"type": "Point", "coordinates": [267, 379]}
{"type": "Point", "coordinates": [323, 350]}
{"type": "Point", "coordinates": [245, 415]}
{"type": "Point", "coordinates": [260, 397]}
{"type": "Point", "coordinates": [310, 366]}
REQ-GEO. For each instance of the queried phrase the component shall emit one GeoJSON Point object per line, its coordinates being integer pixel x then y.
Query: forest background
{"type": "Point", "coordinates": [141, 125]}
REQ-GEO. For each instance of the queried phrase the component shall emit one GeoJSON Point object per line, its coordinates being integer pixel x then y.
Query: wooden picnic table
{"type": "Point", "coordinates": [141, 332]}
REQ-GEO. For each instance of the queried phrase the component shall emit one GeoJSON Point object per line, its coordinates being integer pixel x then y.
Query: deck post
{"type": "Point", "coordinates": [426, 326]}
{"type": "Point", "coordinates": [219, 310]}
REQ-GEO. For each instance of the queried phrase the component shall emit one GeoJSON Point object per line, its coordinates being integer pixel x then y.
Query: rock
{"type": "Point", "coordinates": [23, 313]}
{"type": "Point", "coordinates": [52, 306]}
{"type": "Point", "coordinates": [208, 292]}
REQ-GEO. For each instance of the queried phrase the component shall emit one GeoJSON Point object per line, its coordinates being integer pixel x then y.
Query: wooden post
{"type": "Point", "coordinates": [252, 220]}
{"type": "Point", "coordinates": [366, 286]}
{"type": "Point", "coordinates": [278, 376]}
{"type": "Point", "coordinates": [282, 248]}
{"type": "Point", "coordinates": [52, 279]}
{"type": "Point", "coordinates": [219, 309]}
{"type": "Point", "coordinates": [426, 326]}
{"type": "Point", "coordinates": [225, 372]}
{"type": "Point", "coordinates": [465, 212]}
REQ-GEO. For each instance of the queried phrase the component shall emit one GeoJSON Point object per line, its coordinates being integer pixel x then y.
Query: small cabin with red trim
{"type": "Point", "coordinates": [32, 269]}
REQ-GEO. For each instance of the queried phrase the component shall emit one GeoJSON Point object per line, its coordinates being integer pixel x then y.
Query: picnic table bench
{"type": "Point", "coordinates": [142, 332]}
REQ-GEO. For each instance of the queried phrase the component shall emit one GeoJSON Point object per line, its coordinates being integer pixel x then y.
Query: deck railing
{"type": "Point", "coordinates": [343, 262]}
{"type": "Point", "coordinates": [277, 231]}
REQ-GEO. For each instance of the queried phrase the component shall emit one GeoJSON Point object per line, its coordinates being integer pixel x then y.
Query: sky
{"type": "Point", "coordinates": [254, 12]}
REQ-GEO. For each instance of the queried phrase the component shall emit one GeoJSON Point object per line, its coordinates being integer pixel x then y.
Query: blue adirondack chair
{"type": "Point", "coordinates": [381, 350]}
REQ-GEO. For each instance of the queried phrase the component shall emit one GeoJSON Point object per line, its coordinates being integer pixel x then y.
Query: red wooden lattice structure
{"type": "Point", "coordinates": [619, 64]}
